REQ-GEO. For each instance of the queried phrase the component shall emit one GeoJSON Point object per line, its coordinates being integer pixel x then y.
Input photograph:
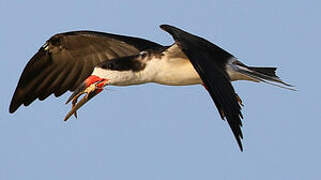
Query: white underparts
{"type": "Point", "coordinates": [163, 71]}
{"type": "Point", "coordinates": [169, 69]}
{"type": "Point", "coordinates": [175, 71]}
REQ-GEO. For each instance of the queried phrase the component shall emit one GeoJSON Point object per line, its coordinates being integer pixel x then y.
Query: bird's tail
{"type": "Point", "coordinates": [262, 74]}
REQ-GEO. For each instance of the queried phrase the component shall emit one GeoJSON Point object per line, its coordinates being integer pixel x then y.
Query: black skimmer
{"type": "Point", "coordinates": [85, 62]}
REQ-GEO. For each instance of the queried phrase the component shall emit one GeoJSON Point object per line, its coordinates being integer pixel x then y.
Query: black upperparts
{"type": "Point", "coordinates": [139, 43]}
{"type": "Point", "coordinates": [210, 61]}
{"type": "Point", "coordinates": [219, 55]}
{"type": "Point", "coordinates": [129, 63]}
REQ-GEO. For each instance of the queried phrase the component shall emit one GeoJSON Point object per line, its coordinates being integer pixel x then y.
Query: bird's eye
{"type": "Point", "coordinates": [110, 66]}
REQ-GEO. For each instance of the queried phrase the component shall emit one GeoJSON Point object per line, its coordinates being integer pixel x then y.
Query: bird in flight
{"type": "Point", "coordinates": [86, 61]}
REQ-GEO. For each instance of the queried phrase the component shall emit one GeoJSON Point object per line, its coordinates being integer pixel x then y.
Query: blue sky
{"type": "Point", "coordinates": [160, 132]}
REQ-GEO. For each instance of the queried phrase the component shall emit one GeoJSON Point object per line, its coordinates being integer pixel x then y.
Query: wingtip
{"type": "Point", "coordinates": [13, 106]}
{"type": "Point", "coordinates": [238, 136]}
{"type": "Point", "coordinates": [239, 142]}
{"type": "Point", "coordinates": [164, 26]}
{"type": "Point", "coordinates": [171, 29]}
{"type": "Point", "coordinates": [11, 110]}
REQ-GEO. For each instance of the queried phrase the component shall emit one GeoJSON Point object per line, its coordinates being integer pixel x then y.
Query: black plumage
{"type": "Point", "coordinates": [128, 63]}
{"type": "Point", "coordinates": [67, 59]}
{"type": "Point", "coordinates": [209, 61]}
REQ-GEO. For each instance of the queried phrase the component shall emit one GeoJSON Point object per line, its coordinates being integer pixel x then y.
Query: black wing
{"type": "Point", "coordinates": [209, 61]}
{"type": "Point", "coordinates": [67, 59]}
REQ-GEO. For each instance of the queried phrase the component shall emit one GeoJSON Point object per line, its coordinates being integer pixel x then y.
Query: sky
{"type": "Point", "coordinates": [160, 132]}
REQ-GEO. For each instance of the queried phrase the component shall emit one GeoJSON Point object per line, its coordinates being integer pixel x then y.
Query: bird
{"type": "Point", "coordinates": [85, 62]}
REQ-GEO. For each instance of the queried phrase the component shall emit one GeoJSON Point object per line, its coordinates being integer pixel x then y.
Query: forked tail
{"type": "Point", "coordinates": [262, 74]}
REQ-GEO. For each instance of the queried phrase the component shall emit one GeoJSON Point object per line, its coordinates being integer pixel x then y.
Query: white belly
{"type": "Point", "coordinates": [176, 72]}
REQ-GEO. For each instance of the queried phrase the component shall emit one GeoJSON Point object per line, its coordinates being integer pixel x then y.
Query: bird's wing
{"type": "Point", "coordinates": [66, 59]}
{"type": "Point", "coordinates": [209, 61]}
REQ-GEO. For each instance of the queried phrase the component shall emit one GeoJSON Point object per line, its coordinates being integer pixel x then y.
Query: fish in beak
{"type": "Point", "coordinates": [92, 86]}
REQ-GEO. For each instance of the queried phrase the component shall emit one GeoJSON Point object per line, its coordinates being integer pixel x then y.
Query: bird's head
{"type": "Point", "coordinates": [122, 71]}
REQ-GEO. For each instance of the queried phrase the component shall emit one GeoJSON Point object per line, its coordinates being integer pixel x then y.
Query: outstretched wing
{"type": "Point", "coordinates": [66, 59]}
{"type": "Point", "coordinates": [209, 61]}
